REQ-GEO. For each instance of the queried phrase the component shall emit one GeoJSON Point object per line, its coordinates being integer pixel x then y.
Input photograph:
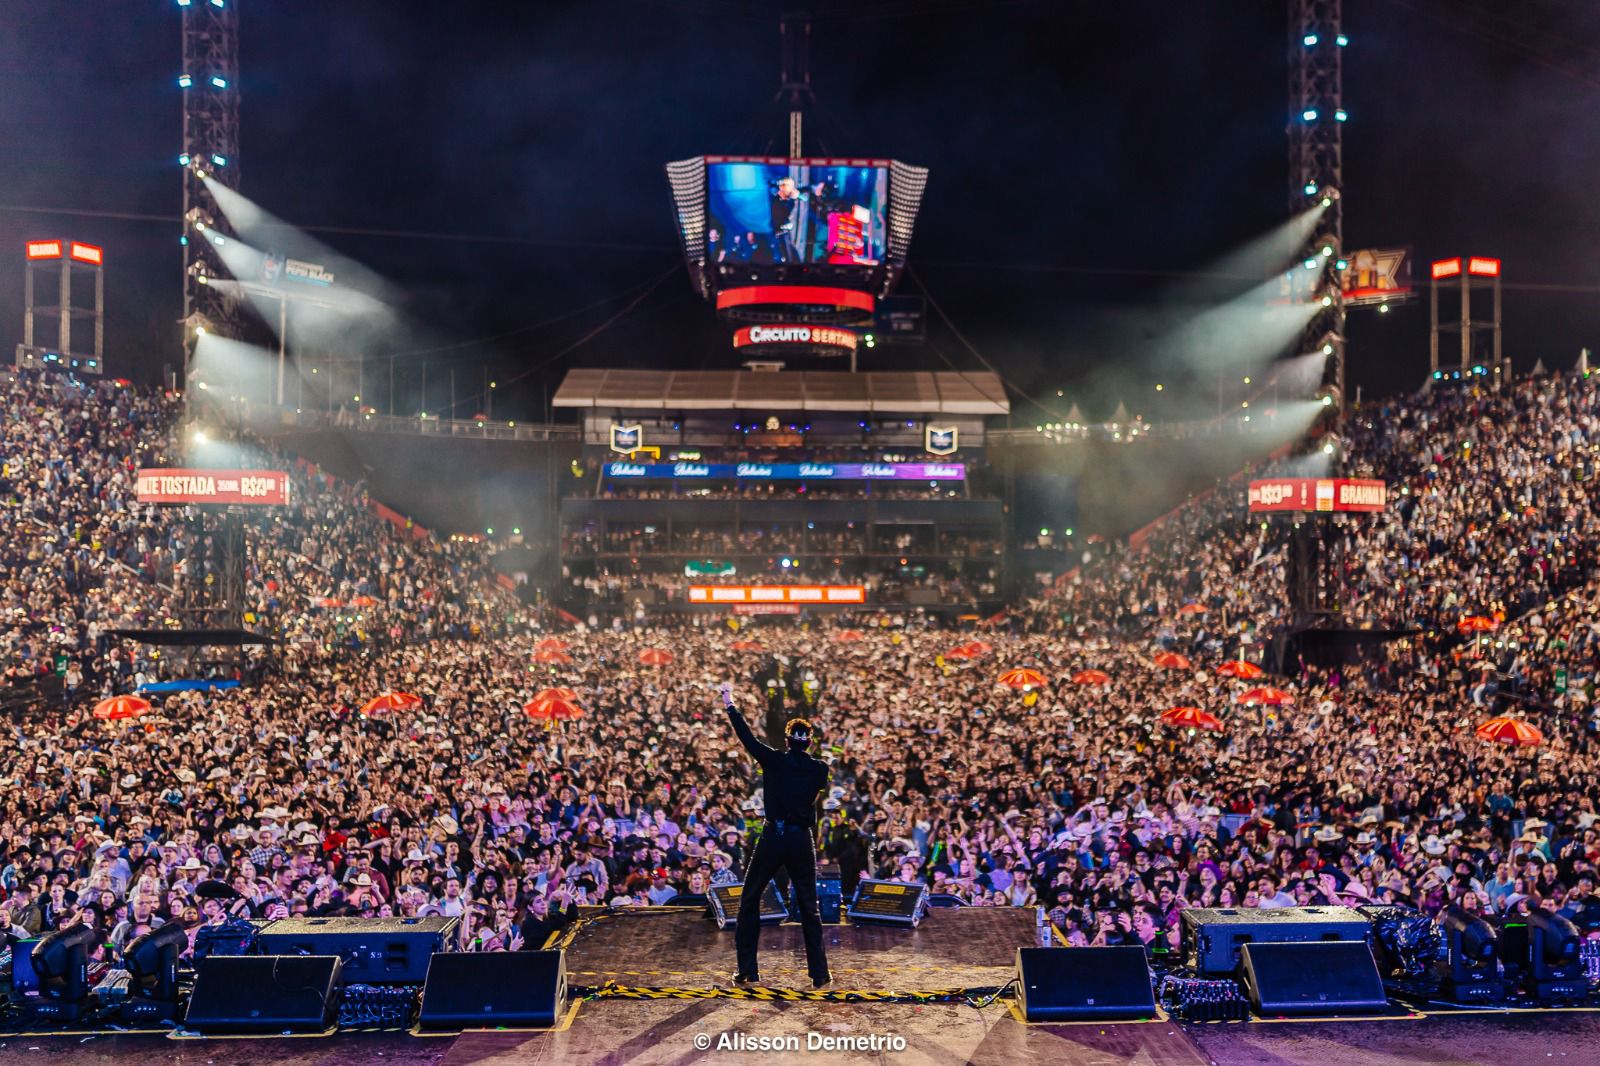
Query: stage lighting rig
{"type": "Point", "coordinates": [1555, 962]}
{"type": "Point", "coordinates": [61, 961]}
{"type": "Point", "coordinates": [1471, 969]}
{"type": "Point", "coordinates": [152, 964]}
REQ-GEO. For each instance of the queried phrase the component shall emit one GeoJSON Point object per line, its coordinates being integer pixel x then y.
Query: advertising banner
{"type": "Point", "coordinates": [790, 471]}
{"type": "Point", "coordinates": [188, 485]}
{"type": "Point", "coordinates": [818, 595]}
{"type": "Point", "coordinates": [1318, 494]}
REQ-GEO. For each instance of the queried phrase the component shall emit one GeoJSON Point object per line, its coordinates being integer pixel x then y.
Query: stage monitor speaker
{"type": "Point", "coordinates": [1211, 938]}
{"type": "Point", "coordinates": [483, 990]}
{"type": "Point", "coordinates": [830, 894]}
{"type": "Point", "coordinates": [888, 903]}
{"type": "Point", "coordinates": [725, 905]}
{"type": "Point", "coordinates": [1084, 984]}
{"type": "Point", "coordinates": [1328, 977]}
{"type": "Point", "coordinates": [264, 994]}
{"type": "Point", "coordinates": [375, 951]}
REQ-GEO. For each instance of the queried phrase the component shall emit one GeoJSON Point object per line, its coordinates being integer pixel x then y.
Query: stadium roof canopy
{"type": "Point", "coordinates": [897, 392]}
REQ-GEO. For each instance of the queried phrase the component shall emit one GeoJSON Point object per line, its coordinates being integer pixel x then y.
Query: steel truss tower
{"type": "Point", "coordinates": [1316, 166]}
{"type": "Point", "coordinates": [209, 81]}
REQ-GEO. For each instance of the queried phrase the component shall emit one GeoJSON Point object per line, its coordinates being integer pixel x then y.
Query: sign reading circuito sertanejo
{"type": "Point", "coordinates": [825, 336]}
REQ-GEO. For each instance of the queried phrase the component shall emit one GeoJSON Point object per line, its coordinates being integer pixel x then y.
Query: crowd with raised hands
{"type": "Point", "coordinates": [466, 795]}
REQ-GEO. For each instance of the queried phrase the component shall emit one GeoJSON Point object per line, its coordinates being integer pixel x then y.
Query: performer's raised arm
{"type": "Point", "coordinates": [759, 751]}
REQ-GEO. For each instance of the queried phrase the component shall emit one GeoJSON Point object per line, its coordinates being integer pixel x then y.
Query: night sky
{"type": "Point", "coordinates": [1079, 152]}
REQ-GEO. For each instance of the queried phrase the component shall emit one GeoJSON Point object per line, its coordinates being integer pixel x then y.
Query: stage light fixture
{"type": "Point", "coordinates": [1160, 387]}
{"type": "Point", "coordinates": [218, 81]}
{"type": "Point", "coordinates": [1341, 40]}
{"type": "Point", "coordinates": [1341, 264]}
{"type": "Point", "coordinates": [219, 160]}
{"type": "Point", "coordinates": [1327, 401]}
{"type": "Point", "coordinates": [1311, 264]}
{"type": "Point", "coordinates": [1327, 251]}
{"type": "Point", "coordinates": [218, 3]}
{"type": "Point", "coordinates": [183, 239]}
{"type": "Point", "coordinates": [1309, 114]}
{"type": "Point", "coordinates": [1383, 309]}
{"type": "Point", "coordinates": [1311, 188]}
{"type": "Point", "coordinates": [1327, 301]}
{"type": "Point", "coordinates": [183, 160]}
{"type": "Point", "coordinates": [1327, 201]}
{"type": "Point", "coordinates": [1341, 115]}
{"type": "Point", "coordinates": [185, 3]}
{"type": "Point", "coordinates": [184, 81]}
{"type": "Point", "coordinates": [1310, 40]}
{"type": "Point", "coordinates": [199, 436]}
{"type": "Point", "coordinates": [1247, 379]}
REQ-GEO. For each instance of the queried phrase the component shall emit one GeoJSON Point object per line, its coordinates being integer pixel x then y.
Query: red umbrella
{"type": "Point", "coordinates": [655, 657]}
{"type": "Point", "coordinates": [960, 651]}
{"type": "Point", "coordinates": [551, 655]}
{"type": "Point", "coordinates": [976, 648]}
{"type": "Point", "coordinates": [1511, 731]}
{"type": "Point", "coordinates": [1191, 718]}
{"type": "Point", "coordinates": [560, 693]}
{"type": "Point", "coordinates": [551, 644]}
{"type": "Point", "coordinates": [1272, 697]}
{"type": "Point", "coordinates": [363, 601]}
{"type": "Point", "coordinates": [847, 635]}
{"type": "Point", "coordinates": [1191, 608]}
{"type": "Point", "coordinates": [1477, 623]}
{"type": "Point", "coordinates": [391, 701]}
{"type": "Point", "coordinates": [120, 707]}
{"type": "Point", "coordinates": [1022, 678]}
{"type": "Point", "coordinates": [1171, 660]}
{"type": "Point", "coordinates": [1091, 677]}
{"type": "Point", "coordinates": [1240, 669]}
{"type": "Point", "coordinates": [745, 645]}
{"type": "Point", "coordinates": [552, 709]}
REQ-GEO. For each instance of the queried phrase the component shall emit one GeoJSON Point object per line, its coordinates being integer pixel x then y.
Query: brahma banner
{"type": "Point", "coordinates": [187, 485]}
{"type": "Point", "coordinates": [777, 594]}
{"type": "Point", "coordinates": [1318, 494]}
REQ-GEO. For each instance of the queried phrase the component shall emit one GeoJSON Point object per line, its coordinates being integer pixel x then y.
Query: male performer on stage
{"type": "Point", "coordinates": [791, 780]}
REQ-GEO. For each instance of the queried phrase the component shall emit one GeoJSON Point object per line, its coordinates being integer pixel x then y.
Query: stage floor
{"type": "Point", "coordinates": [973, 948]}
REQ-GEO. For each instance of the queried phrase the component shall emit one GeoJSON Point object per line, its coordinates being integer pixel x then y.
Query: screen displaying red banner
{"type": "Point", "coordinates": [808, 295]}
{"type": "Point", "coordinates": [1318, 494]}
{"type": "Point", "coordinates": [818, 595]}
{"type": "Point", "coordinates": [1446, 268]}
{"type": "Point", "coordinates": [88, 253]}
{"type": "Point", "coordinates": [827, 336]}
{"type": "Point", "coordinates": [44, 249]}
{"type": "Point", "coordinates": [186, 485]}
{"type": "Point", "coordinates": [1483, 266]}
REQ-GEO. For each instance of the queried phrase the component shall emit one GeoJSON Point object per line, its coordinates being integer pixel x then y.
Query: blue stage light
{"type": "Point", "coordinates": [184, 240]}
{"type": "Point", "coordinates": [1340, 115]}
{"type": "Point", "coordinates": [219, 81]}
{"type": "Point", "coordinates": [1341, 40]}
{"type": "Point", "coordinates": [1309, 114]}
{"type": "Point", "coordinates": [1310, 40]}
{"type": "Point", "coordinates": [1311, 188]}
{"type": "Point", "coordinates": [220, 160]}
{"type": "Point", "coordinates": [184, 81]}
{"type": "Point", "coordinates": [183, 160]}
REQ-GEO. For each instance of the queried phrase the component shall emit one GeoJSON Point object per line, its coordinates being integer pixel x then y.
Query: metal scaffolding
{"type": "Point", "coordinates": [209, 81]}
{"type": "Point", "coordinates": [1316, 164]}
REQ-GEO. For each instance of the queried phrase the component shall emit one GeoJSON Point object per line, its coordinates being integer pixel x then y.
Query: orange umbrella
{"type": "Point", "coordinates": [1022, 678]}
{"type": "Point", "coordinates": [560, 693]}
{"type": "Point", "coordinates": [1171, 660]}
{"type": "Point", "coordinates": [391, 701]}
{"type": "Point", "coordinates": [1240, 669]}
{"type": "Point", "coordinates": [1191, 718]}
{"type": "Point", "coordinates": [552, 709]}
{"type": "Point", "coordinates": [655, 657]}
{"type": "Point", "coordinates": [1191, 608]}
{"type": "Point", "coordinates": [119, 707]}
{"type": "Point", "coordinates": [363, 601]}
{"type": "Point", "coordinates": [1511, 731]}
{"type": "Point", "coordinates": [745, 645]}
{"type": "Point", "coordinates": [551, 644]}
{"type": "Point", "coordinates": [976, 648]}
{"type": "Point", "coordinates": [551, 655]}
{"type": "Point", "coordinates": [848, 635]}
{"type": "Point", "coordinates": [1091, 677]}
{"type": "Point", "coordinates": [1477, 623]}
{"type": "Point", "coordinates": [1272, 697]}
{"type": "Point", "coordinates": [960, 651]}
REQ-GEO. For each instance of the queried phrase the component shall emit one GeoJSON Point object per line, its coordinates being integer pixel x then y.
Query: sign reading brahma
{"type": "Point", "coordinates": [1318, 494]}
{"type": "Point", "coordinates": [188, 485]}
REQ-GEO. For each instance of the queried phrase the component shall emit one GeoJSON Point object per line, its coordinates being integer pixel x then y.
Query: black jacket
{"type": "Point", "coordinates": [790, 780]}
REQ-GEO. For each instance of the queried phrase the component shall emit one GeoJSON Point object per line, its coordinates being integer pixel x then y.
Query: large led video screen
{"type": "Point", "coordinates": [795, 212]}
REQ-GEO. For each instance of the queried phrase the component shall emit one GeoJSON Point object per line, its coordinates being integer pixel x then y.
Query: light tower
{"type": "Point", "coordinates": [209, 82]}
{"type": "Point", "coordinates": [1316, 166]}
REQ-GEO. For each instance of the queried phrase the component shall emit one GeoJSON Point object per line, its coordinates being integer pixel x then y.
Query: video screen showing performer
{"type": "Point", "coordinates": [795, 213]}
{"type": "Point", "coordinates": [791, 781]}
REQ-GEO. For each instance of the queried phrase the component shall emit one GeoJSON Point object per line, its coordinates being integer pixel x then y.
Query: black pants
{"type": "Point", "coordinates": [789, 851]}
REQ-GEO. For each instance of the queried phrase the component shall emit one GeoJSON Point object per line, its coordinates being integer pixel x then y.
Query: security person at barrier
{"type": "Point", "coordinates": [791, 781]}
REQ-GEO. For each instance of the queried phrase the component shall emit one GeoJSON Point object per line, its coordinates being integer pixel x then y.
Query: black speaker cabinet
{"type": "Point", "coordinates": [1210, 938]}
{"type": "Point", "coordinates": [480, 990]}
{"type": "Point", "coordinates": [375, 951]}
{"type": "Point", "coordinates": [830, 894]}
{"type": "Point", "coordinates": [1084, 984]}
{"type": "Point", "coordinates": [264, 994]}
{"type": "Point", "coordinates": [1327, 977]}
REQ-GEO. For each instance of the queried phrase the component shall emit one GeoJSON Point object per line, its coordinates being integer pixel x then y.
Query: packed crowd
{"type": "Point", "coordinates": [1369, 785]}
